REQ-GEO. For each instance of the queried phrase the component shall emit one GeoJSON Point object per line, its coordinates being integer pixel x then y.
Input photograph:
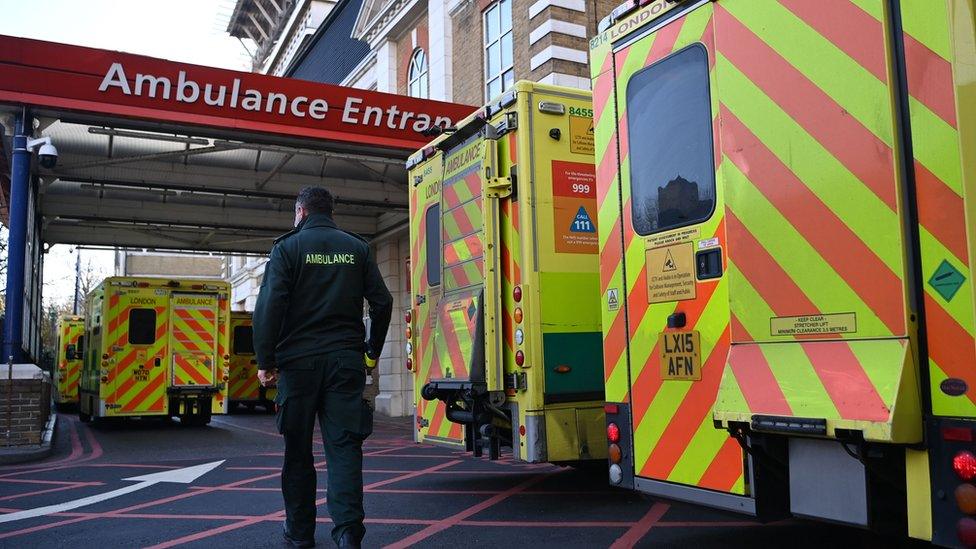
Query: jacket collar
{"type": "Point", "coordinates": [317, 220]}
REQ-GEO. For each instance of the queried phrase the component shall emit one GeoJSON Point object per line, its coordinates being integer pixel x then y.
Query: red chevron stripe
{"type": "Point", "coordinates": [842, 375]}
{"type": "Point", "coordinates": [772, 283]}
{"type": "Point", "coordinates": [664, 40]}
{"type": "Point", "coordinates": [950, 345]}
{"type": "Point", "coordinates": [849, 28]}
{"type": "Point", "coordinates": [133, 404]}
{"type": "Point", "coordinates": [856, 263]}
{"type": "Point", "coordinates": [694, 408]}
{"type": "Point", "coordinates": [726, 468]}
{"type": "Point", "coordinates": [648, 382]}
{"type": "Point", "coordinates": [755, 378]}
{"type": "Point", "coordinates": [866, 156]}
{"type": "Point", "coordinates": [942, 212]}
{"type": "Point", "coordinates": [930, 79]}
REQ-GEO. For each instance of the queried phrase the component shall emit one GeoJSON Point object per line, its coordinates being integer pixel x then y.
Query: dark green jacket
{"type": "Point", "coordinates": [311, 299]}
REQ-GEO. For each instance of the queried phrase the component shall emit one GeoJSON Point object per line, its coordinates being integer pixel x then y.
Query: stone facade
{"type": "Point", "coordinates": [26, 404]}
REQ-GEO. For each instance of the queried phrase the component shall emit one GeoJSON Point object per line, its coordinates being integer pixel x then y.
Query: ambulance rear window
{"type": "Point", "coordinates": [142, 326]}
{"type": "Point", "coordinates": [433, 236]}
{"type": "Point", "coordinates": [243, 343]}
{"type": "Point", "coordinates": [669, 119]}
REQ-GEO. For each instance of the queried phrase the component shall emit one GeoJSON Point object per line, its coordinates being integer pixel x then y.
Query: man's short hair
{"type": "Point", "coordinates": [316, 200]}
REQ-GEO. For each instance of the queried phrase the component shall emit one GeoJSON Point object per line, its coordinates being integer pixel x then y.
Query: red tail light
{"type": "Point", "coordinates": [961, 434]}
{"type": "Point", "coordinates": [409, 363]}
{"type": "Point", "coordinates": [408, 317]}
{"type": "Point", "coordinates": [517, 294]}
{"type": "Point", "coordinates": [522, 430]}
{"type": "Point", "coordinates": [966, 530]}
{"type": "Point", "coordinates": [519, 358]}
{"type": "Point", "coordinates": [965, 465]}
{"type": "Point", "coordinates": [611, 408]}
{"type": "Point", "coordinates": [613, 432]}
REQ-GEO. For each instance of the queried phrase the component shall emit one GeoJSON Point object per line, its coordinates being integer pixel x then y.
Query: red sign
{"type": "Point", "coordinates": [574, 207]}
{"type": "Point", "coordinates": [34, 72]}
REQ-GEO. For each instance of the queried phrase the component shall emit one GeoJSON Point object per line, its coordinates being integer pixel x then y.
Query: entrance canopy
{"type": "Point", "coordinates": [165, 155]}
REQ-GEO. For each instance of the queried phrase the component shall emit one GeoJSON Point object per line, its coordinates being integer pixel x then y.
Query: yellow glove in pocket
{"type": "Point", "coordinates": [370, 363]}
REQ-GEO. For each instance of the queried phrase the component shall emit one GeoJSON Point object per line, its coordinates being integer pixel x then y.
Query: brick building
{"type": "Point", "coordinates": [464, 51]}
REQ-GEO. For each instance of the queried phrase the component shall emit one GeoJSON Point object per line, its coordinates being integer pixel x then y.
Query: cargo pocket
{"type": "Point", "coordinates": [295, 385]}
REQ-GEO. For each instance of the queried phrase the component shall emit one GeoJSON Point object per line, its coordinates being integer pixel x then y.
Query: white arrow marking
{"type": "Point", "coordinates": [181, 476]}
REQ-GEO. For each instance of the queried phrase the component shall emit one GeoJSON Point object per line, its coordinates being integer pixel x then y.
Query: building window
{"type": "Point", "coordinates": [669, 117]}
{"type": "Point", "coordinates": [499, 74]}
{"type": "Point", "coordinates": [417, 75]}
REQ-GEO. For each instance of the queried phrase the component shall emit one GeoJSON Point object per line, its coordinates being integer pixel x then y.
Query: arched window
{"type": "Point", "coordinates": [417, 75]}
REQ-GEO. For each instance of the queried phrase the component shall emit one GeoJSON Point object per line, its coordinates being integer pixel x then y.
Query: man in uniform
{"type": "Point", "coordinates": [310, 339]}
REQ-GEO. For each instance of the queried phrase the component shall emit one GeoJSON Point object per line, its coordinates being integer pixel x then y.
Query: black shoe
{"type": "Point", "coordinates": [347, 540]}
{"type": "Point", "coordinates": [298, 542]}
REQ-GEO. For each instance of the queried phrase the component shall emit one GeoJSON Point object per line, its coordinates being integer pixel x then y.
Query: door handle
{"type": "Point", "coordinates": [677, 320]}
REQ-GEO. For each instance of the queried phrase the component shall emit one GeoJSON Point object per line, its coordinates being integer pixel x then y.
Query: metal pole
{"type": "Point", "coordinates": [10, 397]}
{"type": "Point", "coordinates": [77, 279]}
{"type": "Point", "coordinates": [17, 245]}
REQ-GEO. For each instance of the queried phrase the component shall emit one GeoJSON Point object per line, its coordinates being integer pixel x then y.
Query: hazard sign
{"type": "Point", "coordinates": [680, 355]}
{"type": "Point", "coordinates": [947, 280]}
{"type": "Point", "coordinates": [582, 223]}
{"type": "Point", "coordinates": [581, 135]}
{"type": "Point", "coordinates": [613, 299]}
{"type": "Point", "coordinates": [671, 273]}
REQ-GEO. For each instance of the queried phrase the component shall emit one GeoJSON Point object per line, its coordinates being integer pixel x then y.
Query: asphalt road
{"type": "Point", "coordinates": [415, 495]}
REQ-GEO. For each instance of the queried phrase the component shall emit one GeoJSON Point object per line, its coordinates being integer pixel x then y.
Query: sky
{"type": "Point", "coordinates": [191, 31]}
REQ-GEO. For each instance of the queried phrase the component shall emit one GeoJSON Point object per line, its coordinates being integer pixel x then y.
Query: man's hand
{"type": "Point", "coordinates": [268, 378]}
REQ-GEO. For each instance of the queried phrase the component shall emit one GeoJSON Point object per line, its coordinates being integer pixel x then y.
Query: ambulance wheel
{"type": "Point", "coordinates": [85, 418]}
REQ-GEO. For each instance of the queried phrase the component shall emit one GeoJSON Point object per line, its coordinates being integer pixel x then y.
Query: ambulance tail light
{"type": "Point", "coordinates": [518, 315]}
{"type": "Point", "coordinates": [409, 332]}
{"type": "Point", "coordinates": [408, 317]}
{"type": "Point", "coordinates": [517, 294]}
{"type": "Point", "coordinates": [964, 464]}
{"type": "Point", "coordinates": [104, 379]}
{"type": "Point", "coordinates": [409, 364]}
{"type": "Point", "coordinates": [519, 358]}
{"type": "Point", "coordinates": [614, 454]}
{"type": "Point", "coordinates": [613, 432]}
{"type": "Point", "coordinates": [959, 434]}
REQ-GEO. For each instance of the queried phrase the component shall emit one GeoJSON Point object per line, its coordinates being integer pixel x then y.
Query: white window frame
{"type": "Point", "coordinates": [418, 75]}
{"type": "Point", "coordinates": [506, 71]}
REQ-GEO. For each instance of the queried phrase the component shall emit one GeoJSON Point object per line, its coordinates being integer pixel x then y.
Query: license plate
{"type": "Point", "coordinates": [680, 355]}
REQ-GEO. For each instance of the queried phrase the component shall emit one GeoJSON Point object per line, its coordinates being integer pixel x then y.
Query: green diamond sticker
{"type": "Point", "coordinates": [946, 280]}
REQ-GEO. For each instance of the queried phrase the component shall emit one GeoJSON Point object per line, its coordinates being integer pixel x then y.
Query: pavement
{"type": "Point", "coordinates": [416, 495]}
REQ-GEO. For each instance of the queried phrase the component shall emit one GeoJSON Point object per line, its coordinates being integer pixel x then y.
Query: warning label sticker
{"type": "Point", "coordinates": [666, 239]}
{"type": "Point", "coordinates": [581, 135]}
{"type": "Point", "coordinates": [834, 323]}
{"type": "Point", "coordinates": [946, 280]}
{"type": "Point", "coordinates": [671, 273]}
{"type": "Point", "coordinates": [613, 299]}
{"type": "Point", "coordinates": [574, 207]}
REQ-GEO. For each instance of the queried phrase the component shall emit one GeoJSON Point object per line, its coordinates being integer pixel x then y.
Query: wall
{"type": "Point", "coordinates": [396, 382]}
{"type": "Point", "coordinates": [172, 265]}
{"type": "Point", "coordinates": [417, 37]}
{"type": "Point", "coordinates": [28, 404]}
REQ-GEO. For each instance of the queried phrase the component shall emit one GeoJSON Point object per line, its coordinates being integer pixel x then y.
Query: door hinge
{"type": "Point", "coordinates": [498, 187]}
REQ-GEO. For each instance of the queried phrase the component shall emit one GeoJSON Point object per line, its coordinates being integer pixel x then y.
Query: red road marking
{"type": "Point", "coordinates": [49, 490]}
{"type": "Point", "coordinates": [454, 519]}
{"type": "Point", "coordinates": [642, 527]}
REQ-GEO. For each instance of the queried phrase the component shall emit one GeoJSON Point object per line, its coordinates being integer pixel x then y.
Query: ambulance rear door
{"type": "Point", "coordinates": [193, 340]}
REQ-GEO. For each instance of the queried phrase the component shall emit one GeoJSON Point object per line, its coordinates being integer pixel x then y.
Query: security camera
{"type": "Point", "coordinates": [47, 154]}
